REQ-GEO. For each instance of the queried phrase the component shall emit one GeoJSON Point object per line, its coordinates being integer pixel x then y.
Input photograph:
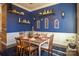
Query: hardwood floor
{"type": "Point", "coordinates": [56, 51]}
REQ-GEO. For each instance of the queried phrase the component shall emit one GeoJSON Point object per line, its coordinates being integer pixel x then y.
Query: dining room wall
{"type": "Point", "coordinates": [13, 24]}
{"type": "Point", "coordinates": [67, 23]}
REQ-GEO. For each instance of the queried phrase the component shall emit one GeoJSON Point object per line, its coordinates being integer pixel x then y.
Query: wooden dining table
{"type": "Point", "coordinates": [36, 41]}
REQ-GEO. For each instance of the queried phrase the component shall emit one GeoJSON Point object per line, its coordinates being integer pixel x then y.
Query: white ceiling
{"type": "Point", "coordinates": [33, 6]}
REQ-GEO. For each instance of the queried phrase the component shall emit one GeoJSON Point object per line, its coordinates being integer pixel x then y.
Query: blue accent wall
{"type": "Point", "coordinates": [13, 24]}
{"type": "Point", "coordinates": [67, 23]}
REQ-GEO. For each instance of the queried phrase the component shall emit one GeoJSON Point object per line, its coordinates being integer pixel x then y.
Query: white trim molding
{"type": "Point", "coordinates": [49, 4]}
{"type": "Point", "coordinates": [59, 38]}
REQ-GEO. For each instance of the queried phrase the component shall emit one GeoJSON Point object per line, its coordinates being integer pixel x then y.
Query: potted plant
{"type": "Point", "coordinates": [71, 42]}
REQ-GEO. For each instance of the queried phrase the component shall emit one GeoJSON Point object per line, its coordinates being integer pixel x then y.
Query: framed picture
{"type": "Point", "coordinates": [56, 24]}
{"type": "Point", "coordinates": [46, 21]}
{"type": "Point", "coordinates": [38, 24]}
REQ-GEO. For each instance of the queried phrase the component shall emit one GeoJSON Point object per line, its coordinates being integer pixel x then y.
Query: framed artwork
{"type": "Point", "coordinates": [56, 24]}
{"type": "Point", "coordinates": [38, 24]}
{"type": "Point", "coordinates": [46, 21]}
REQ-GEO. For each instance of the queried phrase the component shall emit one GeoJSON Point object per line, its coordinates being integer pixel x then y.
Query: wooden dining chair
{"type": "Point", "coordinates": [30, 49]}
{"type": "Point", "coordinates": [19, 46]}
{"type": "Point", "coordinates": [47, 46]}
{"type": "Point", "coordinates": [21, 34]}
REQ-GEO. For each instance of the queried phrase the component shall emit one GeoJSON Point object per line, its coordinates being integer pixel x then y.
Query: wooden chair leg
{"type": "Point", "coordinates": [26, 53]}
{"type": "Point", "coordinates": [49, 53]}
{"type": "Point", "coordinates": [23, 52]}
{"type": "Point", "coordinates": [29, 53]}
{"type": "Point", "coordinates": [17, 51]}
{"type": "Point", "coordinates": [34, 53]}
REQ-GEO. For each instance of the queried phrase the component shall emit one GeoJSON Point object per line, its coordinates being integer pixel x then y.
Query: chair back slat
{"type": "Point", "coordinates": [21, 34]}
{"type": "Point", "coordinates": [18, 42]}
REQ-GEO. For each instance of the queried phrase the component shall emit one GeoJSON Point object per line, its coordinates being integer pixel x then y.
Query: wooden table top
{"type": "Point", "coordinates": [33, 40]}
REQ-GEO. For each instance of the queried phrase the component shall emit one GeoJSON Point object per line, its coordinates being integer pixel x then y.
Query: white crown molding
{"type": "Point", "coordinates": [35, 8]}
{"type": "Point", "coordinates": [44, 6]}
{"type": "Point", "coordinates": [21, 6]}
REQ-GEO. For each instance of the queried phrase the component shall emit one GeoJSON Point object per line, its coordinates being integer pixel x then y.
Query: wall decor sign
{"type": "Point", "coordinates": [56, 24]}
{"type": "Point", "coordinates": [46, 20]}
{"type": "Point", "coordinates": [24, 21]}
{"type": "Point", "coordinates": [38, 24]}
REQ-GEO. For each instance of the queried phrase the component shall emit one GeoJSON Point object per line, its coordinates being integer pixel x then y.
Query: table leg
{"type": "Point", "coordinates": [39, 50]}
{"type": "Point", "coordinates": [40, 47]}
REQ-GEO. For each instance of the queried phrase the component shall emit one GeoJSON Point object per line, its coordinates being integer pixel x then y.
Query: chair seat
{"type": "Point", "coordinates": [32, 48]}
{"type": "Point", "coordinates": [20, 46]}
{"type": "Point", "coordinates": [45, 46]}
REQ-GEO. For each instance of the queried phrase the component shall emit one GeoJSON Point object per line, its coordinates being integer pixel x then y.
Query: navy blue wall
{"type": "Point", "coordinates": [67, 23]}
{"type": "Point", "coordinates": [12, 21]}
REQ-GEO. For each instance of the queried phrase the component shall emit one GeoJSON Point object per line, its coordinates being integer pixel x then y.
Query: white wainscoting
{"type": "Point", "coordinates": [59, 38]}
{"type": "Point", "coordinates": [11, 37]}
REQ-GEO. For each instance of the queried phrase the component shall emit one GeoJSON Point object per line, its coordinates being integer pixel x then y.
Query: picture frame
{"type": "Point", "coordinates": [56, 24]}
{"type": "Point", "coordinates": [38, 24]}
{"type": "Point", "coordinates": [46, 21]}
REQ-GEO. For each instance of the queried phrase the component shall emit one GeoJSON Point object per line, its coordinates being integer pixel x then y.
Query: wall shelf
{"type": "Point", "coordinates": [16, 12]}
{"type": "Point", "coordinates": [46, 12]}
